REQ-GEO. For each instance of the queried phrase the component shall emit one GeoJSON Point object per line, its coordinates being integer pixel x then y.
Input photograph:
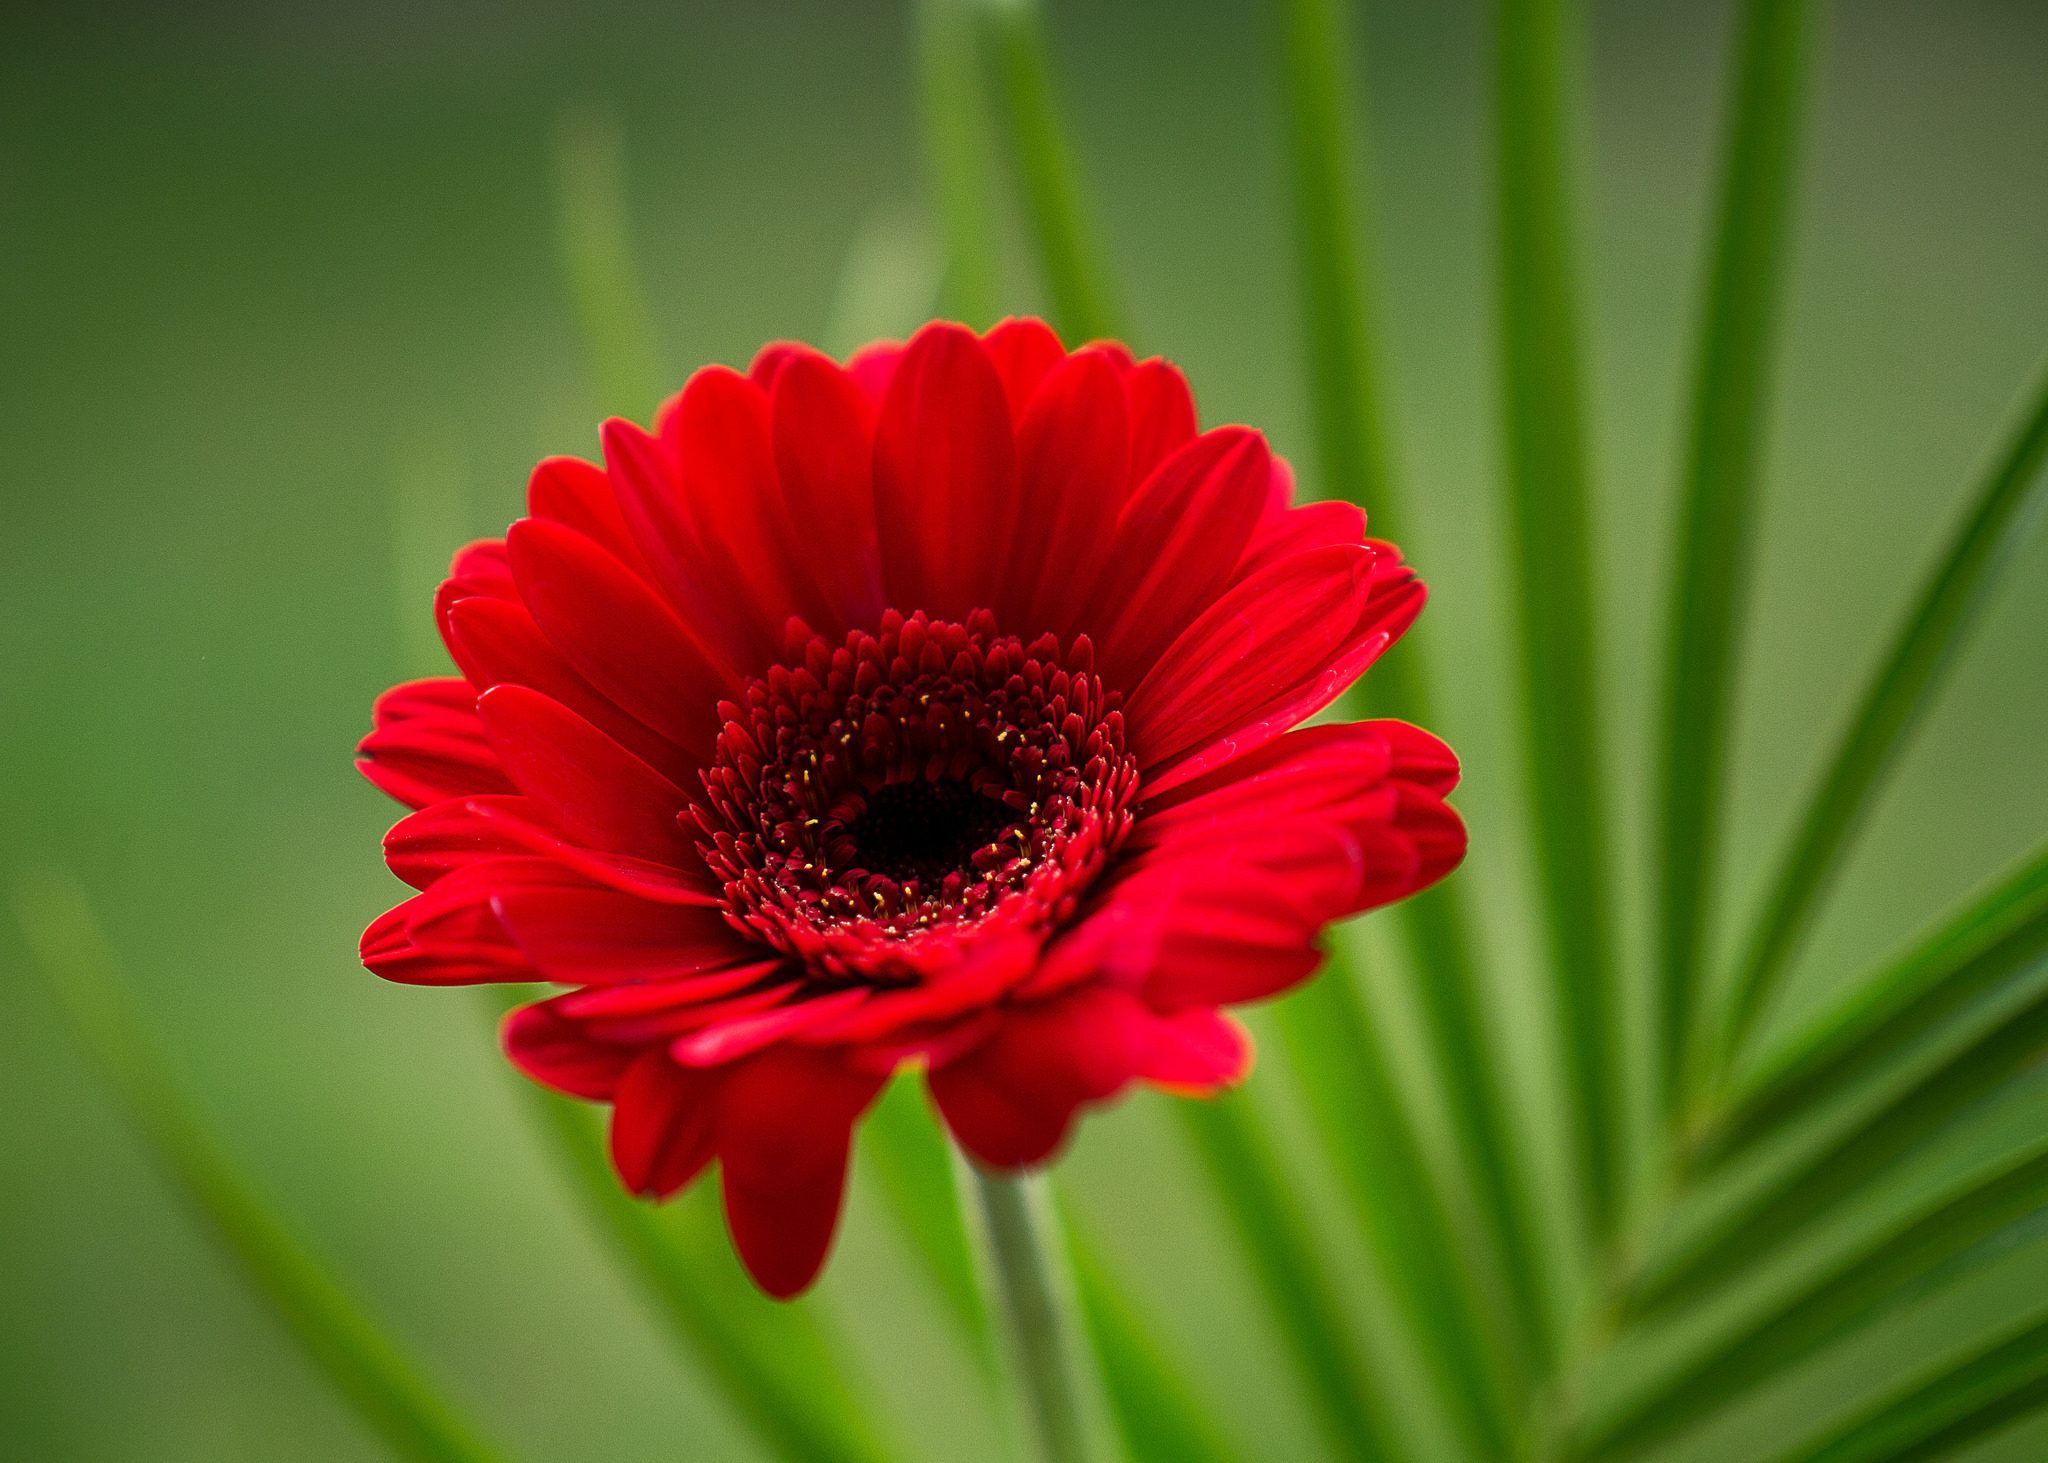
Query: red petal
{"type": "Point", "coordinates": [448, 934]}
{"type": "Point", "coordinates": [1297, 530]}
{"type": "Point", "coordinates": [578, 935]}
{"type": "Point", "coordinates": [644, 475]}
{"type": "Point", "coordinates": [1011, 1100]}
{"type": "Point", "coordinates": [1162, 415]}
{"type": "Point", "coordinates": [771, 358]}
{"type": "Point", "coordinates": [434, 842]}
{"type": "Point", "coordinates": [1073, 451]}
{"type": "Point", "coordinates": [664, 1124]}
{"type": "Point", "coordinates": [823, 428]}
{"type": "Point", "coordinates": [499, 644]}
{"type": "Point", "coordinates": [1198, 1051]}
{"type": "Point", "coordinates": [597, 792]}
{"type": "Point", "coordinates": [1262, 636]}
{"type": "Point", "coordinates": [1175, 545]}
{"type": "Point", "coordinates": [945, 475]}
{"type": "Point", "coordinates": [728, 1041]}
{"type": "Point", "coordinates": [556, 1053]}
{"type": "Point", "coordinates": [428, 744]}
{"type": "Point", "coordinates": [620, 636]}
{"type": "Point", "coordinates": [718, 432]}
{"type": "Point", "coordinates": [785, 1119]}
{"type": "Point", "coordinates": [578, 495]}
{"type": "Point", "coordinates": [684, 881]}
{"type": "Point", "coordinates": [1024, 352]}
{"type": "Point", "coordinates": [873, 367]}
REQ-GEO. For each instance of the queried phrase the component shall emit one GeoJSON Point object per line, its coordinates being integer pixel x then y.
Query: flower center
{"type": "Point", "coordinates": [876, 805]}
{"type": "Point", "coordinates": [919, 832]}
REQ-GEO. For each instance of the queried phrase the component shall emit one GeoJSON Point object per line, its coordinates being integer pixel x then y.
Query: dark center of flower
{"type": "Point", "coordinates": [877, 804]}
{"type": "Point", "coordinates": [919, 832]}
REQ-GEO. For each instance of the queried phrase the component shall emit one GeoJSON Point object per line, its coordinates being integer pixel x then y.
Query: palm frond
{"type": "Point", "coordinates": [1353, 453]}
{"type": "Point", "coordinates": [1935, 1241]}
{"type": "Point", "coordinates": [1904, 684]}
{"type": "Point", "coordinates": [1731, 382]}
{"type": "Point", "coordinates": [1552, 571]}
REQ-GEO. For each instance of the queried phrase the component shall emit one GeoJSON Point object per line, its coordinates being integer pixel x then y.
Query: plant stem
{"type": "Point", "coordinates": [1021, 1246]}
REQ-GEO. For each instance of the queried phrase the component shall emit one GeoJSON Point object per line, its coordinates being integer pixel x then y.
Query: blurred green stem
{"type": "Point", "coordinates": [1067, 247]}
{"type": "Point", "coordinates": [341, 1340]}
{"type": "Point", "coordinates": [958, 155]}
{"type": "Point", "coordinates": [1024, 1252]}
{"type": "Point", "coordinates": [594, 225]}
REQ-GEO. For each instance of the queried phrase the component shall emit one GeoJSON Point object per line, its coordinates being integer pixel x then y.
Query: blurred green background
{"type": "Point", "coordinates": [284, 321]}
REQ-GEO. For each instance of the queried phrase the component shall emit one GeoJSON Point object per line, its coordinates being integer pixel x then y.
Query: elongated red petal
{"type": "Point", "coordinates": [1162, 416]}
{"type": "Point", "coordinates": [580, 935]}
{"type": "Point", "coordinates": [1024, 352]}
{"type": "Point", "coordinates": [1011, 1100]}
{"type": "Point", "coordinates": [429, 745]}
{"type": "Point", "coordinates": [596, 791]}
{"type": "Point", "coordinates": [945, 475]}
{"type": "Point", "coordinates": [1176, 543]}
{"type": "Point", "coordinates": [823, 429]}
{"type": "Point", "coordinates": [556, 1052]}
{"type": "Point", "coordinates": [664, 1124]}
{"type": "Point", "coordinates": [622, 638]}
{"type": "Point", "coordinates": [1073, 450]}
{"type": "Point", "coordinates": [1261, 637]}
{"type": "Point", "coordinates": [785, 1120]}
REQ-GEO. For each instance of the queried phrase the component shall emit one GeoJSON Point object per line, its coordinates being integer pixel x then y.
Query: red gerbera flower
{"type": "Point", "coordinates": [934, 709]}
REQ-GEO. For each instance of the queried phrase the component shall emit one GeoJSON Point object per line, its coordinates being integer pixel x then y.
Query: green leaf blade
{"type": "Point", "coordinates": [1994, 938]}
{"type": "Point", "coordinates": [1156, 1411]}
{"type": "Point", "coordinates": [1942, 1237]}
{"type": "Point", "coordinates": [1549, 531]}
{"type": "Point", "coordinates": [1710, 589]}
{"type": "Point", "coordinates": [1969, 1398]}
{"type": "Point", "coordinates": [771, 1359]}
{"type": "Point", "coordinates": [1911, 670]}
{"type": "Point", "coordinates": [1816, 1185]}
{"type": "Point", "coordinates": [356, 1357]}
{"type": "Point", "coordinates": [1351, 442]}
{"type": "Point", "coordinates": [1275, 1234]}
{"type": "Point", "coordinates": [1336, 1050]}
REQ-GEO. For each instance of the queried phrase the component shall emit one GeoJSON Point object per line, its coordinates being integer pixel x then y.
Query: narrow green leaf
{"type": "Point", "coordinates": [909, 1154]}
{"type": "Point", "coordinates": [1260, 1202]}
{"type": "Point", "coordinates": [1060, 226]}
{"type": "Point", "coordinates": [1903, 686]}
{"type": "Point", "coordinates": [958, 153]}
{"type": "Point", "coordinates": [772, 1359]}
{"type": "Point", "coordinates": [1814, 1186]}
{"type": "Point", "coordinates": [1985, 1390]}
{"type": "Point", "coordinates": [364, 1366]}
{"type": "Point", "coordinates": [593, 227]}
{"type": "Point", "coordinates": [1731, 385]}
{"type": "Point", "coordinates": [1351, 442]}
{"type": "Point", "coordinates": [1337, 1051]}
{"type": "Point", "coordinates": [1157, 1413]}
{"type": "Point", "coordinates": [1553, 571]}
{"type": "Point", "coordinates": [2001, 933]}
{"type": "Point", "coordinates": [1939, 1240]}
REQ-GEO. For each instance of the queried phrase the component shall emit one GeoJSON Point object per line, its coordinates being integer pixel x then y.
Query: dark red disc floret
{"type": "Point", "coordinates": [877, 804]}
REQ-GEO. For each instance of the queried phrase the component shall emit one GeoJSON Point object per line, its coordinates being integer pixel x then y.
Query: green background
{"type": "Point", "coordinates": [283, 321]}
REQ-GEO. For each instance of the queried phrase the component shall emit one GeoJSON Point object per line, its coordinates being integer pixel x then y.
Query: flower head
{"type": "Point", "coordinates": [935, 709]}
